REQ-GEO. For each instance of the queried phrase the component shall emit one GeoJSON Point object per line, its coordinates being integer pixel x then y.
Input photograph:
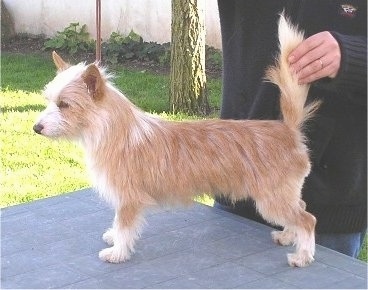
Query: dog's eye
{"type": "Point", "coordinates": [63, 105]}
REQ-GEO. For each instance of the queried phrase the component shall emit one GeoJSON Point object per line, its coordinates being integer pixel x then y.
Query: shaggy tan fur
{"type": "Point", "coordinates": [137, 160]}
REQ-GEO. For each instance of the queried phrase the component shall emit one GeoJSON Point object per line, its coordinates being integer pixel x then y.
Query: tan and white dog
{"type": "Point", "coordinates": [137, 160]}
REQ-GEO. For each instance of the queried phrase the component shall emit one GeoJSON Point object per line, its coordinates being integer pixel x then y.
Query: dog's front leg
{"type": "Point", "coordinates": [108, 236]}
{"type": "Point", "coordinates": [122, 235]}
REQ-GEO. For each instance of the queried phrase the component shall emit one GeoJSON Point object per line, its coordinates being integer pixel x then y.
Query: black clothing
{"type": "Point", "coordinates": [336, 189]}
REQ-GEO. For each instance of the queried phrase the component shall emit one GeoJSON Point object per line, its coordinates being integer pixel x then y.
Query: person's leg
{"type": "Point", "coordinates": [348, 244]}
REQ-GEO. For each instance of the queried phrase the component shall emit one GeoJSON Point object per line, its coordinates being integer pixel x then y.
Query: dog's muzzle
{"type": "Point", "coordinates": [38, 128]}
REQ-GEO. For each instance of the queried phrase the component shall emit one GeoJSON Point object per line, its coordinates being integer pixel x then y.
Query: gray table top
{"type": "Point", "coordinates": [54, 243]}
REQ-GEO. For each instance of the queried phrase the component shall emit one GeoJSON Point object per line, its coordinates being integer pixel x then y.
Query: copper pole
{"type": "Point", "coordinates": [98, 30]}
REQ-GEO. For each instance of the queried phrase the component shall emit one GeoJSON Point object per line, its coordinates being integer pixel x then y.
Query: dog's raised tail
{"type": "Point", "coordinates": [293, 95]}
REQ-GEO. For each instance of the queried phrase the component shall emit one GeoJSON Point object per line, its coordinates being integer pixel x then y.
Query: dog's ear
{"type": "Point", "coordinates": [59, 62]}
{"type": "Point", "coordinates": [94, 82]}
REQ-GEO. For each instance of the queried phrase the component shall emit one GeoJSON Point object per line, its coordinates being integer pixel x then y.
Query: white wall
{"type": "Point", "coordinates": [150, 19]}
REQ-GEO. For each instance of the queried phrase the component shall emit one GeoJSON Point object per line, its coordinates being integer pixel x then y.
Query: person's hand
{"type": "Point", "coordinates": [316, 57]}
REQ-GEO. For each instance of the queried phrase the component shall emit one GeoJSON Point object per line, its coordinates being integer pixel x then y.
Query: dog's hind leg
{"type": "Point", "coordinates": [122, 235]}
{"type": "Point", "coordinates": [304, 225]}
{"type": "Point", "coordinates": [285, 209]}
{"type": "Point", "coordinates": [287, 236]}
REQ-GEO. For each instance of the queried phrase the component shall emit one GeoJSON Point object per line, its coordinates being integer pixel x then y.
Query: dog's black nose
{"type": "Point", "coordinates": [38, 128]}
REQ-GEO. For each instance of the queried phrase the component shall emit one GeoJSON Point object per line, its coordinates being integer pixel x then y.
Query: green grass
{"type": "Point", "coordinates": [26, 72]}
{"type": "Point", "coordinates": [363, 252]}
{"type": "Point", "coordinates": [35, 167]}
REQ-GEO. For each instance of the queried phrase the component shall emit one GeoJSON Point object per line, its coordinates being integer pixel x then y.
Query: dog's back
{"type": "Point", "coordinates": [256, 156]}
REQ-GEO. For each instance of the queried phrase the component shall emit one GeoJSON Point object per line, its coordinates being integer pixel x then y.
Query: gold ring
{"type": "Point", "coordinates": [321, 62]}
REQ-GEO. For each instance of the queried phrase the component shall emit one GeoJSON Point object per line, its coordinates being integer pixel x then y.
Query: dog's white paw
{"type": "Point", "coordinates": [300, 259]}
{"type": "Point", "coordinates": [283, 238]}
{"type": "Point", "coordinates": [114, 255]}
{"type": "Point", "coordinates": [108, 237]}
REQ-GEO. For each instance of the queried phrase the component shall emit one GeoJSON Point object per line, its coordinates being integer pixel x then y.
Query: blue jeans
{"type": "Point", "coordinates": [348, 244]}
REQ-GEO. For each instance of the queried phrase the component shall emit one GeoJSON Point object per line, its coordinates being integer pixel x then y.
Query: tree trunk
{"type": "Point", "coordinates": [7, 23]}
{"type": "Point", "coordinates": [187, 76]}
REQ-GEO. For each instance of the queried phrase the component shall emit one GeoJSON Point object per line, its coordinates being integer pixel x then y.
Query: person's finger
{"type": "Point", "coordinates": [315, 54]}
{"type": "Point", "coordinates": [315, 71]}
{"type": "Point", "coordinates": [326, 66]}
{"type": "Point", "coordinates": [304, 47]}
{"type": "Point", "coordinates": [307, 61]}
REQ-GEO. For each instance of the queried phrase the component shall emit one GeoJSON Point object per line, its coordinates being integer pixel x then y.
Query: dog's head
{"type": "Point", "coordinates": [73, 97]}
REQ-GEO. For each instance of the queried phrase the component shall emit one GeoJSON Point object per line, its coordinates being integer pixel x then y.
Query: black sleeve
{"type": "Point", "coordinates": [351, 79]}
